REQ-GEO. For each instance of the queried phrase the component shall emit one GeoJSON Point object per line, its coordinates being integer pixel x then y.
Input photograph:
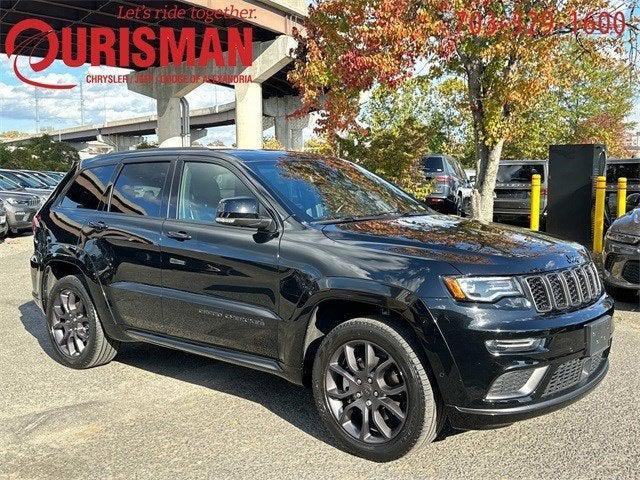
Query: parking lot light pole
{"type": "Point", "coordinates": [598, 217]}
{"type": "Point", "coordinates": [622, 196]}
{"type": "Point", "coordinates": [535, 202]}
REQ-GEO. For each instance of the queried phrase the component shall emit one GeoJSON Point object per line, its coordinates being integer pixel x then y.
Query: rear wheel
{"type": "Point", "coordinates": [373, 392]}
{"type": "Point", "coordinates": [75, 331]}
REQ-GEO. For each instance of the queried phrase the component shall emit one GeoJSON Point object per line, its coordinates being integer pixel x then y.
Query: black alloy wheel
{"type": "Point", "coordinates": [75, 331]}
{"type": "Point", "coordinates": [366, 392]}
{"type": "Point", "coordinates": [70, 326]}
{"type": "Point", "coordinates": [373, 391]}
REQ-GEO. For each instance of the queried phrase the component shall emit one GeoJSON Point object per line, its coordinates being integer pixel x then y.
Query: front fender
{"type": "Point", "coordinates": [300, 331]}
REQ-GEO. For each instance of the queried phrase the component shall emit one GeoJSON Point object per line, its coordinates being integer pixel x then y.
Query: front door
{"type": "Point", "coordinates": [220, 281]}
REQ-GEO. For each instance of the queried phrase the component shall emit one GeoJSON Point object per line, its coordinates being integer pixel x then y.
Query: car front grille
{"type": "Point", "coordinates": [565, 289]}
{"type": "Point", "coordinates": [34, 202]}
{"type": "Point", "coordinates": [631, 272]}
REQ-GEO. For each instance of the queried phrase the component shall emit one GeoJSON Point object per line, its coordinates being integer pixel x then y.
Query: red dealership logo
{"type": "Point", "coordinates": [140, 48]}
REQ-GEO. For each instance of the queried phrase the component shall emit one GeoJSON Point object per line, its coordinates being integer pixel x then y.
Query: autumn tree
{"type": "Point", "coordinates": [509, 53]}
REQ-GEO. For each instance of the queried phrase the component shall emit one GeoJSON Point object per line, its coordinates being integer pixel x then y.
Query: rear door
{"type": "Point", "coordinates": [124, 241]}
{"type": "Point", "coordinates": [220, 281]}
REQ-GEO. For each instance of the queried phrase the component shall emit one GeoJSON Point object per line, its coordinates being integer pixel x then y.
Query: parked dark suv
{"type": "Point", "coordinates": [512, 202]}
{"type": "Point", "coordinates": [319, 271]}
{"type": "Point", "coordinates": [449, 178]}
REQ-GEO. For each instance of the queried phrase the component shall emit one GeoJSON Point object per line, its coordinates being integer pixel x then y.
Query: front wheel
{"type": "Point", "coordinates": [373, 392]}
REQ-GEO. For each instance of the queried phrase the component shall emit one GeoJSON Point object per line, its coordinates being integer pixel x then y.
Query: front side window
{"type": "Point", "coordinates": [328, 189]}
{"type": "Point", "coordinates": [138, 189]}
{"type": "Point", "coordinates": [202, 187]}
{"type": "Point", "coordinates": [89, 188]}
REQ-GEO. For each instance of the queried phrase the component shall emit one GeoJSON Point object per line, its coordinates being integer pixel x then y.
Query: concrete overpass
{"type": "Point", "coordinates": [268, 93]}
{"type": "Point", "coordinates": [122, 134]}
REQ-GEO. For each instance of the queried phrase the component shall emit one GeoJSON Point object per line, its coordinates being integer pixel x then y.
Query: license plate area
{"type": "Point", "coordinates": [598, 335]}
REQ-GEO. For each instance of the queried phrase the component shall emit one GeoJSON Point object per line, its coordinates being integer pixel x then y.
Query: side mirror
{"type": "Point", "coordinates": [241, 212]}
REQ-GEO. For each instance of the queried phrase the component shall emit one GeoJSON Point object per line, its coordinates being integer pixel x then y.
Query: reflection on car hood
{"type": "Point", "coordinates": [470, 246]}
{"type": "Point", "coordinates": [629, 223]}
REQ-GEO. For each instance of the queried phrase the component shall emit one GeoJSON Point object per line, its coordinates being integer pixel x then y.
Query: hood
{"type": "Point", "coordinates": [628, 224]}
{"type": "Point", "coordinates": [469, 246]}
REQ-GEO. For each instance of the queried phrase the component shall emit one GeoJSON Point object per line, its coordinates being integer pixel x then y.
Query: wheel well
{"type": "Point", "coordinates": [54, 271]}
{"type": "Point", "coordinates": [328, 315]}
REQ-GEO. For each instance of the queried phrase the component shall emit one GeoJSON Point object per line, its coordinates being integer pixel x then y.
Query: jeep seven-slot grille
{"type": "Point", "coordinates": [565, 289]}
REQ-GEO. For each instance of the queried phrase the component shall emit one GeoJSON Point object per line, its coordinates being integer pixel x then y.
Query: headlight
{"type": "Point", "coordinates": [623, 237]}
{"type": "Point", "coordinates": [483, 289]}
{"type": "Point", "coordinates": [12, 201]}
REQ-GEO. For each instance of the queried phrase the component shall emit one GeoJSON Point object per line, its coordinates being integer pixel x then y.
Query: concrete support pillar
{"type": "Point", "coordinates": [197, 135]}
{"type": "Point", "coordinates": [248, 115]}
{"type": "Point", "coordinates": [289, 131]}
{"type": "Point", "coordinates": [282, 132]}
{"type": "Point", "coordinates": [169, 121]}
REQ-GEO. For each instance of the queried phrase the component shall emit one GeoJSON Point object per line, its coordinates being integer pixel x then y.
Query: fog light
{"type": "Point", "coordinates": [516, 383]}
{"type": "Point", "coordinates": [518, 345]}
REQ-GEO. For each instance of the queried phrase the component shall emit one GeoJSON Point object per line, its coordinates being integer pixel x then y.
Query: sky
{"type": "Point", "coordinates": [102, 102]}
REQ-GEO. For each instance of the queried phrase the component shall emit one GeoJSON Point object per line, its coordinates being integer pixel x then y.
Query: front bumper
{"type": "Point", "coordinates": [569, 369]}
{"type": "Point", "coordinates": [621, 265]}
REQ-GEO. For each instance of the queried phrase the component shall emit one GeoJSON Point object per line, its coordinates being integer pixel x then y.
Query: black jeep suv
{"type": "Point", "coordinates": [319, 271]}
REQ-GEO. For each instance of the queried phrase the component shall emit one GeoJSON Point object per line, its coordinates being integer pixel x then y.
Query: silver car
{"type": "Point", "coordinates": [621, 254]}
{"type": "Point", "coordinates": [4, 226]}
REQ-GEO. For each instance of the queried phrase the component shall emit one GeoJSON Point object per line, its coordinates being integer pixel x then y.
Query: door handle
{"type": "Point", "coordinates": [180, 236]}
{"type": "Point", "coordinates": [99, 226]}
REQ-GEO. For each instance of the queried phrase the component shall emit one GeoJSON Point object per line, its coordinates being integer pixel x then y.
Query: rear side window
{"type": "Point", "coordinates": [519, 173]}
{"type": "Point", "coordinates": [138, 189]}
{"type": "Point", "coordinates": [88, 189]}
{"type": "Point", "coordinates": [433, 165]}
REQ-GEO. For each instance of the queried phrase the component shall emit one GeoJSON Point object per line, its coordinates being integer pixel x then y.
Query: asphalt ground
{"type": "Point", "coordinates": [157, 413]}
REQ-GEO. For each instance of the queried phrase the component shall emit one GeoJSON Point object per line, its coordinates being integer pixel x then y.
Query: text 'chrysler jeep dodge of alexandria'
{"type": "Point", "coordinates": [319, 271]}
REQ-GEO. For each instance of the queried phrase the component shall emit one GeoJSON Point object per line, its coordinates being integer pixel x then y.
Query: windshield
{"type": "Point", "coordinates": [45, 179]}
{"type": "Point", "coordinates": [6, 184]}
{"type": "Point", "coordinates": [329, 189]}
{"type": "Point", "coordinates": [30, 180]}
{"type": "Point", "coordinates": [519, 173]}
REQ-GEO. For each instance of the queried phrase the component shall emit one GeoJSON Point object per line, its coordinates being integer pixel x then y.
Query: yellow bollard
{"type": "Point", "coordinates": [535, 203]}
{"type": "Point", "coordinates": [598, 216]}
{"type": "Point", "coordinates": [622, 196]}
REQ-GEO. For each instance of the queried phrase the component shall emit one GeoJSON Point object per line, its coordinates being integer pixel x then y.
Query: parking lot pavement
{"type": "Point", "coordinates": [163, 414]}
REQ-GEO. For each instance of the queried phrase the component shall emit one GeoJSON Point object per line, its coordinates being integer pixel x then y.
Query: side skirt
{"type": "Point", "coordinates": [231, 356]}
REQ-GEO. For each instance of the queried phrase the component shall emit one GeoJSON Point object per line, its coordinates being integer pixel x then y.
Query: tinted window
{"type": "Point", "coordinates": [202, 187]}
{"type": "Point", "coordinates": [24, 180]}
{"type": "Point", "coordinates": [630, 171]}
{"type": "Point", "coordinates": [138, 189]}
{"type": "Point", "coordinates": [88, 189]}
{"type": "Point", "coordinates": [6, 184]}
{"type": "Point", "coordinates": [519, 173]}
{"type": "Point", "coordinates": [433, 165]}
{"type": "Point", "coordinates": [326, 189]}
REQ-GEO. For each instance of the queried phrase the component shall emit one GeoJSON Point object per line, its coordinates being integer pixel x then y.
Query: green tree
{"type": "Point", "coordinates": [41, 153]}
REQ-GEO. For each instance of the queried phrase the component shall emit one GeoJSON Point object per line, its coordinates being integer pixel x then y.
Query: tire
{"type": "Point", "coordinates": [83, 327]}
{"type": "Point", "coordinates": [419, 403]}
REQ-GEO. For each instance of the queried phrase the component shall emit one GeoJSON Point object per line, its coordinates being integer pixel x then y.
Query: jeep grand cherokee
{"type": "Point", "coordinates": [319, 271]}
